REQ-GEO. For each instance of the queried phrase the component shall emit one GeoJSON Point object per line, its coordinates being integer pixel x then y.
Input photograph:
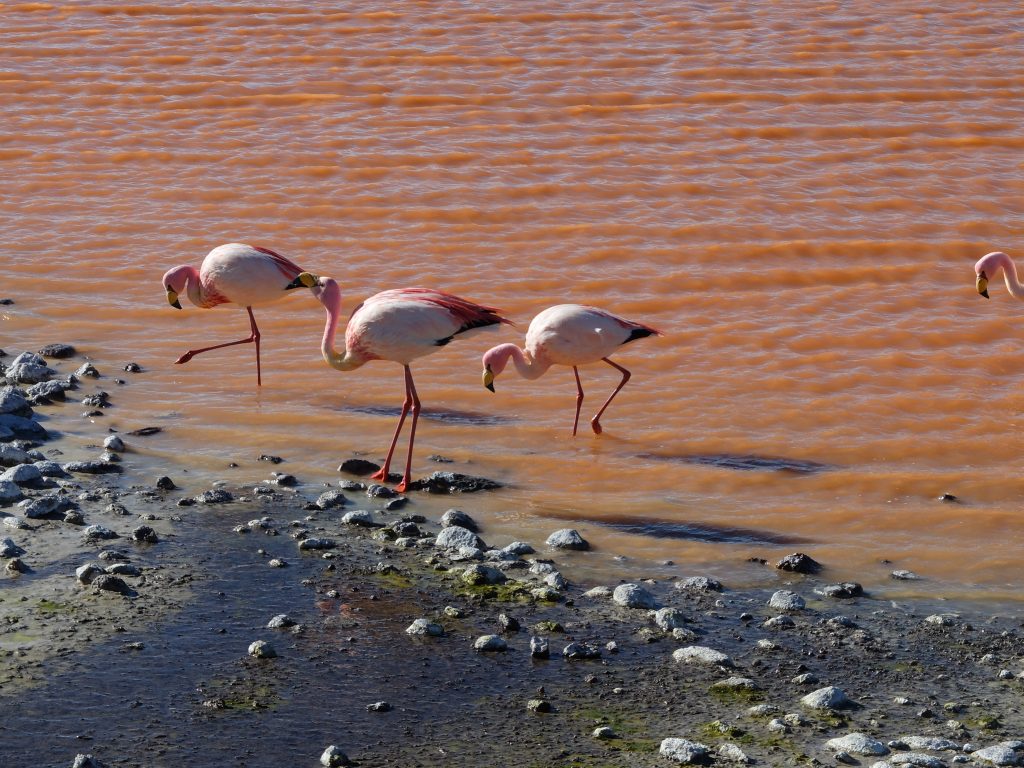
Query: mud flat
{"type": "Point", "coordinates": [260, 624]}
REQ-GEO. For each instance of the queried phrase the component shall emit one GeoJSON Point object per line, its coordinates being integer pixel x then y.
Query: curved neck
{"type": "Point", "coordinates": [1012, 283]}
{"type": "Point", "coordinates": [330, 297]}
{"type": "Point", "coordinates": [528, 366]}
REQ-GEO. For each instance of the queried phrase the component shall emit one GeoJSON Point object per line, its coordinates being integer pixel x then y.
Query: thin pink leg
{"type": "Point", "coordinates": [596, 421]}
{"type": "Point", "coordinates": [382, 473]}
{"type": "Point", "coordinates": [411, 390]}
{"type": "Point", "coordinates": [579, 400]}
{"type": "Point", "coordinates": [254, 337]}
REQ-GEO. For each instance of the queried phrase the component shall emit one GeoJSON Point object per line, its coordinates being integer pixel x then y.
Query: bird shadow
{"type": "Point", "coordinates": [695, 531]}
{"type": "Point", "coordinates": [744, 462]}
{"type": "Point", "coordinates": [442, 415]}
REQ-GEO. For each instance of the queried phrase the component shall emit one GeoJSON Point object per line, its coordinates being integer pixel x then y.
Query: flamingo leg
{"type": "Point", "coordinates": [596, 421]}
{"type": "Point", "coordinates": [410, 389]}
{"type": "Point", "coordinates": [382, 473]}
{"type": "Point", "coordinates": [254, 337]}
{"type": "Point", "coordinates": [579, 400]}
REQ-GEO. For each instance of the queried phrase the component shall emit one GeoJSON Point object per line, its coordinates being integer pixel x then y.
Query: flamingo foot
{"type": "Point", "coordinates": [184, 358]}
{"type": "Point", "coordinates": [380, 474]}
{"type": "Point", "coordinates": [402, 486]}
{"type": "Point", "coordinates": [596, 426]}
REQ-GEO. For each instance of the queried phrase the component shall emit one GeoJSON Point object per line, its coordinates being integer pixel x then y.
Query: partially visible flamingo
{"type": "Point", "coordinates": [398, 325]}
{"type": "Point", "coordinates": [235, 273]}
{"type": "Point", "coordinates": [988, 267]}
{"type": "Point", "coordinates": [568, 334]}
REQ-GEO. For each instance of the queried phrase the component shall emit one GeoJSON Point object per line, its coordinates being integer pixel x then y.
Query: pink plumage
{"type": "Point", "coordinates": [573, 335]}
{"type": "Point", "coordinates": [235, 273]}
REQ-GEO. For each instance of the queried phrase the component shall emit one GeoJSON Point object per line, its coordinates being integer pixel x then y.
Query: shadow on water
{"type": "Point", "coordinates": [716, 534]}
{"type": "Point", "coordinates": [744, 462]}
{"type": "Point", "coordinates": [434, 414]}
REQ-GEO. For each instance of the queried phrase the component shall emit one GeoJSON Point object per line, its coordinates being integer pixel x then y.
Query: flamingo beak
{"type": "Point", "coordinates": [489, 379]}
{"type": "Point", "coordinates": [983, 284]}
{"type": "Point", "coordinates": [172, 298]}
{"type": "Point", "coordinates": [304, 280]}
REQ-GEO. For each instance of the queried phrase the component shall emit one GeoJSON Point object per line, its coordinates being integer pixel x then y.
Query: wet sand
{"type": "Point", "coordinates": [161, 675]}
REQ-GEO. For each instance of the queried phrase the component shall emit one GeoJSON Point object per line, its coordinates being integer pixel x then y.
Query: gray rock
{"type": "Point", "coordinates": [281, 621]}
{"type": "Point", "coordinates": [731, 753]}
{"type": "Point", "coordinates": [361, 517]}
{"type": "Point", "coordinates": [214, 496]}
{"type": "Point", "coordinates": [11, 456]}
{"type": "Point", "coordinates": [581, 651]}
{"type": "Point", "coordinates": [99, 468]}
{"type": "Point", "coordinates": [858, 744]}
{"type": "Point", "coordinates": [539, 705]}
{"type": "Point", "coordinates": [784, 600]}
{"type": "Point", "coordinates": [331, 499]}
{"type": "Point", "coordinates": [333, 757]}
{"type": "Point", "coordinates": [16, 523]}
{"type": "Point", "coordinates": [377, 491]}
{"type": "Point", "coordinates": [807, 678]}
{"type": "Point", "coordinates": [14, 403]}
{"type": "Point", "coordinates": [50, 469]}
{"type": "Point", "coordinates": [1000, 754]}
{"type": "Point", "coordinates": [145, 535]}
{"type": "Point", "coordinates": [736, 684]}
{"type": "Point", "coordinates": [456, 536]}
{"type": "Point", "coordinates": [684, 751]}
{"type": "Point", "coordinates": [28, 368]}
{"type": "Point", "coordinates": [597, 593]}
{"type": "Point", "coordinates": [124, 569]}
{"type": "Point", "coordinates": [478, 574]}
{"type": "Point", "coordinates": [567, 538]}
{"type": "Point", "coordinates": [318, 544]}
{"type": "Point", "coordinates": [15, 565]}
{"type": "Point", "coordinates": [518, 548]}
{"type": "Point", "coordinates": [539, 647]}
{"type": "Point", "coordinates": [97, 532]}
{"type": "Point", "coordinates": [86, 761]}
{"type": "Point", "coordinates": [798, 562]}
{"type": "Point", "coordinates": [379, 706]}
{"type": "Point", "coordinates": [9, 492]}
{"type": "Point", "coordinates": [604, 732]}
{"type": "Point", "coordinates": [698, 654]}
{"type": "Point", "coordinates": [42, 506]}
{"type": "Point", "coordinates": [453, 482]}
{"type": "Point", "coordinates": [699, 585]}
{"type": "Point", "coordinates": [57, 350]}
{"type": "Point", "coordinates": [556, 581]}
{"type": "Point", "coordinates": [668, 619]}
{"type": "Point", "coordinates": [261, 649]}
{"type": "Point", "coordinates": [917, 759]}
{"type": "Point", "coordinates": [461, 519]}
{"type": "Point", "coordinates": [424, 627]}
{"type": "Point", "coordinates": [826, 698]}
{"type": "Point", "coordinates": [633, 596]}
{"type": "Point", "coordinates": [22, 427]}
{"type": "Point", "coordinates": [114, 443]}
{"type": "Point", "coordinates": [86, 573]}
{"type": "Point", "coordinates": [846, 589]}
{"type": "Point", "coordinates": [903, 575]}
{"type": "Point", "coordinates": [108, 583]}
{"type": "Point", "coordinates": [23, 474]}
{"type": "Point", "coordinates": [9, 549]}
{"type": "Point", "coordinates": [490, 643]}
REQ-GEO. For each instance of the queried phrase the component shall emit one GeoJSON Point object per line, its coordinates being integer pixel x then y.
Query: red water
{"type": "Point", "coordinates": [794, 194]}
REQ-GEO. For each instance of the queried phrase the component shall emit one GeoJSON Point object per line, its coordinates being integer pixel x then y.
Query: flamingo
{"type": "Point", "coordinates": [397, 325]}
{"type": "Point", "coordinates": [988, 267]}
{"type": "Point", "coordinates": [568, 334]}
{"type": "Point", "coordinates": [235, 273]}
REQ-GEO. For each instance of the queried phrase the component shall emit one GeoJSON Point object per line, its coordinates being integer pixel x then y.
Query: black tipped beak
{"type": "Point", "coordinates": [490, 386]}
{"type": "Point", "coordinates": [985, 293]}
{"type": "Point", "coordinates": [296, 283]}
{"type": "Point", "coordinates": [176, 304]}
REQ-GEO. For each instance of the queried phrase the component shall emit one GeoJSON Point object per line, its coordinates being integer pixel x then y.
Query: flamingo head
{"type": "Point", "coordinates": [175, 281]}
{"type": "Point", "coordinates": [987, 268]}
{"type": "Point", "coordinates": [324, 288]}
{"type": "Point", "coordinates": [304, 280]}
{"type": "Point", "coordinates": [494, 362]}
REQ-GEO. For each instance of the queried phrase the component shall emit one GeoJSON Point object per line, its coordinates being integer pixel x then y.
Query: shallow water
{"type": "Point", "coordinates": [795, 198]}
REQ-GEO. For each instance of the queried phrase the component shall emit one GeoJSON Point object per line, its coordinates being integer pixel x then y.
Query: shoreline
{"type": "Point", "coordinates": [173, 643]}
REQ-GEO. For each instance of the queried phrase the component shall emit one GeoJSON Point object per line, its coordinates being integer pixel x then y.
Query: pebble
{"type": "Point", "coordinates": [904, 575]}
{"type": "Point", "coordinates": [278, 562]}
{"type": "Point", "coordinates": [281, 621]}
{"type": "Point", "coordinates": [261, 649]}
{"type": "Point", "coordinates": [11, 456]}
{"type": "Point", "coordinates": [779, 622]}
{"type": "Point", "coordinates": [736, 684]}
{"type": "Point", "coordinates": [917, 759]}
{"type": "Point", "coordinates": [581, 651]}
{"type": "Point", "coordinates": [424, 627]}
{"type": "Point", "coordinates": [698, 654]}
{"type": "Point", "coordinates": [379, 706]}
{"type": "Point", "coordinates": [567, 538]}
{"type": "Point", "coordinates": [826, 698]}
{"type": "Point", "coordinates": [684, 751]}
{"type": "Point", "coordinates": [632, 596]}
{"type": "Point", "coordinates": [490, 643]}
{"type": "Point", "coordinates": [114, 443]}
{"type": "Point", "coordinates": [16, 523]}
{"type": "Point", "coordinates": [124, 569]}
{"type": "Point", "coordinates": [333, 757]}
{"type": "Point", "coordinates": [598, 592]}
{"type": "Point", "coordinates": [732, 753]}
{"type": "Point", "coordinates": [50, 469]}
{"type": "Point", "coordinates": [924, 744]}
{"type": "Point", "coordinates": [377, 491]}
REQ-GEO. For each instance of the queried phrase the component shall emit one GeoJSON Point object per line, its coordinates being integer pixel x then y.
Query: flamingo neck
{"type": "Point", "coordinates": [528, 366]}
{"type": "Point", "coordinates": [330, 297]}
{"type": "Point", "coordinates": [1010, 276]}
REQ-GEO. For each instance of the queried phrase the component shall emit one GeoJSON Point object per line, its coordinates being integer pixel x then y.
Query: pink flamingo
{"type": "Point", "coordinates": [568, 334]}
{"type": "Point", "coordinates": [988, 267]}
{"type": "Point", "coordinates": [399, 325]}
{"type": "Point", "coordinates": [232, 274]}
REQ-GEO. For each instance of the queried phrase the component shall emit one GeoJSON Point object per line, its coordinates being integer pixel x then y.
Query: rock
{"type": "Point", "coordinates": [453, 482]}
{"type": "Point", "coordinates": [215, 496]}
{"type": "Point", "coordinates": [15, 565]}
{"type": "Point", "coordinates": [86, 761]}
{"type": "Point", "coordinates": [461, 519]}
{"type": "Point", "coordinates": [358, 467]}
{"type": "Point", "coordinates": [539, 647]}
{"type": "Point", "coordinates": [9, 549]}
{"type": "Point", "coordinates": [333, 757]}
{"type": "Point", "coordinates": [164, 483]}
{"type": "Point", "coordinates": [904, 575]}
{"type": "Point", "coordinates": [942, 619]}
{"type": "Point", "coordinates": [98, 532]}
{"type": "Point", "coordinates": [518, 548]}
{"type": "Point", "coordinates": [331, 499]}
{"type": "Point", "coordinates": [113, 555]}
{"type": "Point", "coordinates": [109, 583]}
{"type": "Point", "coordinates": [114, 443]}
{"type": "Point", "coordinates": [916, 759]}
{"type": "Point", "coordinates": [261, 649]}
{"type": "Point", "coordinates": [58, 351]}
{"type": "Point", "coordinates": [844, 590]}
{"type": "Point", "coordinates": [14, 522]}
{"type": "Point", "coordinates": [581, 651]}
{"type": "Point", "coordinates": [377, 491]}
{"type": "Point", "coordinates": [424, 627]}
{"type": "Point", "coordinates": [361, 517]}
{"type": "Point", "coordinates": [807, 678]}
{"type": "Point", "coordinates": [281, 621]}
{"type": "Point", "coordinates": [668, 619]}
{"type": "Point", "coordinates": [94, 467]}
{"type": "Point", "coordinates": [145, 535]}
{"type": "Point", "coordinates": [50, 469]}
{"type": "Point", "coordinates": [798, 562]}
{"type": "Point", "coordinates": [41, 506]}
{"type": "Point", "coordinates": [456, 536]}
{"type": "Point", "coordinates": [684, 751]}
{"type": "Point", "coordinates": [826, 698]}
{"type": "Point", "coordinates": [132, 368]}
{"type": "Point", "coordinates": [632, 596]}
{"type": "Point", "coordinates": [45, 392]}
{"type": "Point", "coordinates": [538, 705]}
{"type": "Point", "coordinates": [567, 538]}
{"type": "Point", "coordinates": [98, 400]}
{"type": "Point", "coordinates": [23, 474]}
{"type": "Point", "coordinates": [784, 600]}
{"type": "Point", "coordinates": [698, 654]}
{"type": "Point", "coordinates": [490, 643]}
{"type": "Point", "coordinates": [736, 684]}
{"type": "Point", "coordinates": [13, 402]}
{"type": "Point", "coordinates": [318, 544]}
{"type": "Point", "coordinates": [124, 569]}
{"type": "Point", "coordinates": [277, 562]}
{"type": "Point", "coordinates": [379, 706]}
{"type": "Point", "coordinates": [1000, 754]}
{"type": "Point", "coordinates": [604, 732]}
{"type": "Point", "coordinates": [74, 517]}
{"type": "Point", "coordinates": [28, 368]}
{"type": "Point", "coordinates": [858, 744]}
{"type": "Point", "coordinates": [23, 428]}
{"type": "Point", "coordinates": [10, 492]}
{"type": "Point", "coordinates": [699, 585]}
{"type": "Point", "coordinates": [925, 744]}
{"type": "Point", "coordinates": [731, 753]}
{"type": "Point", "coordinates": [10, 456]}
{"type": "Point", "coordinates": [477, 575]}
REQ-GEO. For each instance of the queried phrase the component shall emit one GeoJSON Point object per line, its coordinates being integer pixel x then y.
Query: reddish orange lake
{"type": "Point", "coordinates": [795, 194]}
